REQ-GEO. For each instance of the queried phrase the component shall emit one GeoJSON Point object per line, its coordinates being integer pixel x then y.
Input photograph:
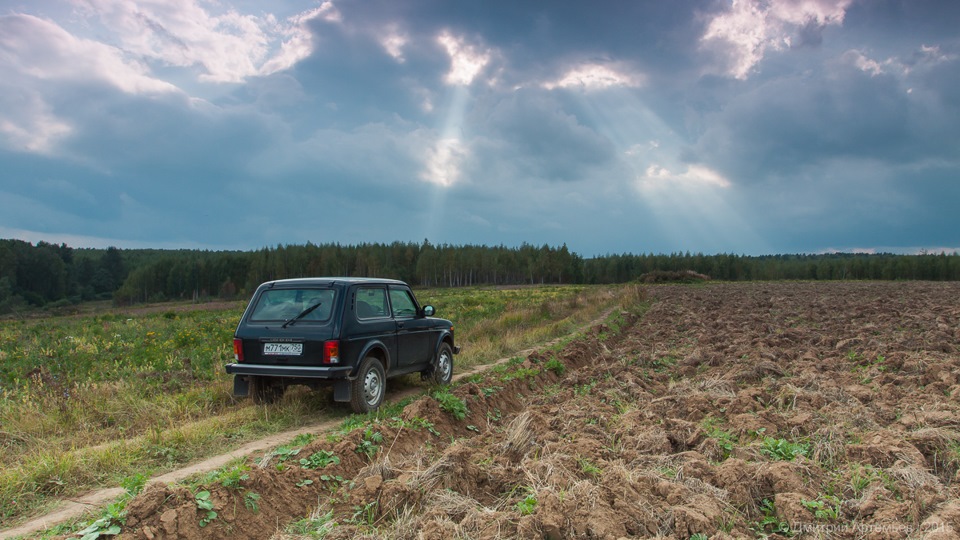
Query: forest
{"type": "Point", "coordinates": [50, 275]}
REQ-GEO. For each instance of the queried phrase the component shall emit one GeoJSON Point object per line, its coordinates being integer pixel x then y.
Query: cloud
{"type": "Point", "coordinates": [596, 77]}
{"type": "Point", "coordinates": [657, 176]}
{"type": "Point", "coordinates": [466, 61]}
{"type": "Point", "coordinates": [542, 140]}
{"type": "Point", "coordinates": [743, 35]}
{"type": "Point", "coordinates": [819, 123]}
{"type": "Point", "coordinates": [39, 50]}
{"type": "Point", "coordinates": [297, 41]}
{"type": "Point", "coordinates": [443, 162]}
{"type": "Point", "coordinates": [29, 124]}
{"type": "Point", "coordinates": [40, 59]}
{"type": "Point", "coordinates": [863, 63]}
{"type": "Point", "coordinates": [393, 41]}
{"type": "Point", "coordinates": [227, 47]}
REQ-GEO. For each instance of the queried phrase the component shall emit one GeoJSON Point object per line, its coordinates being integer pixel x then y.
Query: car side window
{"type": "Point", "coordinates": [402, 302]}
{"type": "Point", "coordinates": [371, 303]}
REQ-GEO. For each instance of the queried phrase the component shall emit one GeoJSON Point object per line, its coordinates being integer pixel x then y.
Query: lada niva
{"type": "Point", "coordinates": [349, 333]}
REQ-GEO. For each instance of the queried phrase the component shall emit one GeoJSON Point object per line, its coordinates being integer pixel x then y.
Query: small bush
{"type": "Point", "coordinates": [451, 403]}
{"type": "Point", "coordinates": [671, 276]}
{"type": "Point", "coordinates": [783, 450]}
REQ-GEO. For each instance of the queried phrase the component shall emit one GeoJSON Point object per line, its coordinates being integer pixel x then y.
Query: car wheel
{"type": "Point", "coordinates": [264, 390]}
{"type": "Point", "coordinates": [368, 389]}
{"type": "Point", "coordinates": [443, 371]}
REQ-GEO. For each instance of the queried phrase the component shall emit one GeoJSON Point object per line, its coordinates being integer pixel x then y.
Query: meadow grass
{"type": "Point", "coordinates": [87, 401]}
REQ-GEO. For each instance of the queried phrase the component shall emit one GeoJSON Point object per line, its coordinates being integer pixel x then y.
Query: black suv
{"type": "Point", "coordinates": [351, 333]}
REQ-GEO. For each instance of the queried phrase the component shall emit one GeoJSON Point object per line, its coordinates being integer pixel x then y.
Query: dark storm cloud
{"type": "Point", "coordinates": [545, 140]}
{"type": "Point", "coordinates": [610, 127]}
{"type": "Point", "coordinates": [798, 122]}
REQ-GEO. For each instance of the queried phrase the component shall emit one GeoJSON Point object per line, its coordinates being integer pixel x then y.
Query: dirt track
{"type": "Point", "coordinates": [732, 410]}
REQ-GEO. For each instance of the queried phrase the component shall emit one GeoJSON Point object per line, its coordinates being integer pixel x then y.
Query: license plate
{"type": "Point", "coordinates": [283, 349]}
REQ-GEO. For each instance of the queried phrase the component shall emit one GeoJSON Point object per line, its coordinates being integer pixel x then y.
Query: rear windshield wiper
{"type": "Point", "coordinates": [302, 314]}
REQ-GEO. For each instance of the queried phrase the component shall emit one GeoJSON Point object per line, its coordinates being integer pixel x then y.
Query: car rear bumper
{"type": "Point", "coordinates": [304, 372]}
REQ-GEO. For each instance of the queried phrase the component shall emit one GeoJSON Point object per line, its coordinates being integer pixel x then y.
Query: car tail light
{"type": "Point", "coordinates": [238, 349]}
{"type": "Point", "coordinates": [331, 352]}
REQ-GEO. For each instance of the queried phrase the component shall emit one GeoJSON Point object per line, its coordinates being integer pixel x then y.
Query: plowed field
{"type": "Point", "coordinates": [819, 410]}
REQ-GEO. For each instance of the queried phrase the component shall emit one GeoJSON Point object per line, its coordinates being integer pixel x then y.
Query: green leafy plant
{"type": "Point", "coordinates": [555, 365]}
{"type": "Point", "coordinates": [315, 528]}
{"type": "Point", "coordinates": [102, 527]}
{"type": "Point", "coordinates": [783, 450]}
{"type": "Point", "coordinates": [418, 422]}
{"type": "Point", "coordinates": [584, 389]}
{"type": "Point", "coordinates": [826, 507]}
{"type": "Point", "coordinates": [134, 484]}
{"type": "Point", "coordinates": [520, 374]}
{"type": "Point", "coordinates": [320, 460]}
{"type": "Point", "coordinates": [488, 391]}
{"type": "Point", "coordinates": [589, 468]}
{"type": "Point", "coordinates": [451, 403]}
{"type": "Point", "coordinates": [663, 364]}
{"type": "Point", "coordinates": [303, 439]}
{"type": "Point", "coordinates": [528, 505]}
{"type": "Point", "coordinates": [370, 444]}
{"type": "Point", "coordinates": [366, 514]}
{"type": "Point", "coordinates": [769, 523]}
{"type": "Point", "coordinates": [725, 440]}
{"type": "Point", "coordinates": [203, 502]}
{"type": "Point", "coordinates": [252, 501]}
{"type": "Point", "coordinates": [282, 454]}
{"type": "Point", "coordinates": [861, 476]}
{"type": "Point", "coordinates": [109, 523]}
{"type": "Point", "coordinates": [230, 478]}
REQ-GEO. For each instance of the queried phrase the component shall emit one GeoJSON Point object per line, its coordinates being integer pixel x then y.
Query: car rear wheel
{"type": "Point", "coordinates": [443, 370]}
{"type": "Point", "coordinates": [368, 389]}
{"type": "Point", "coordinates": [265, 390]}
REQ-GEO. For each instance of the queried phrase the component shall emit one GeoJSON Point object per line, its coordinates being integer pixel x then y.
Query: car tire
{"type": "Point", "coordinates": [368, 389]}
{"type": "Point", "coordinates": [443, 370]}
{"type": "Point", "coordinates": [263, 390]}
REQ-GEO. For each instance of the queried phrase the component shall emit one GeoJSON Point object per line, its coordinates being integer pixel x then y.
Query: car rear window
{"type": "Point", "coordinates": [285, 304]}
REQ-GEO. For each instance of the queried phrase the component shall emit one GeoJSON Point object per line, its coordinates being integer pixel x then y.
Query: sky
{"type": "Point", "coordinates": [715, 126]}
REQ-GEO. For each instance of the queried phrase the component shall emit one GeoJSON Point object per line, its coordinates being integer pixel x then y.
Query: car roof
{"type": "Point", "coordinates": [327, 281]}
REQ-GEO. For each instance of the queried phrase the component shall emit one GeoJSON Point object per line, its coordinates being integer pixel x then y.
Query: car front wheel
{"type": "Point", "coordinates": [443, 371]}
{"type": "Point", "coordinates": [368, 389]}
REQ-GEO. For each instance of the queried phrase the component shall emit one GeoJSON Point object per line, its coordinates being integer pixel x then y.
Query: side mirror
{"type": "Point", "coordinates": [428, 311]}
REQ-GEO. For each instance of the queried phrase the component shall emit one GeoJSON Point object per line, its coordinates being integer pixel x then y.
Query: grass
{"type": "Point", "coordinates": [88, 401]}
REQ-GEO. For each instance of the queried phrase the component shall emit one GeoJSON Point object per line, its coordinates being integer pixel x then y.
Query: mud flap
{"type": "Point", "coordinates": [341, 390]}
{"type": "Point", "coordinates": [241, 385]}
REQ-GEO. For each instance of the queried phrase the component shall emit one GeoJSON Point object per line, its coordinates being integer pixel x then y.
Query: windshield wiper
{"type": "Point", "coordinates": [302, 314]}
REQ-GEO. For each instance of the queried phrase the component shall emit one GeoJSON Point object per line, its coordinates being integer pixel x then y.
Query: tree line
{"type": "Point", "coordinates": [45, 274]}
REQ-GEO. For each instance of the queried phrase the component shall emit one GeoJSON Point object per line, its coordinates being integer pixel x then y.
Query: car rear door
{"type": "Point", "coordinates": [373, 321]}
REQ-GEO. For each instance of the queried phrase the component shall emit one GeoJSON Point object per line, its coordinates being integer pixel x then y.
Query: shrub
{"type": "Point", "coordinates": [671, 276]}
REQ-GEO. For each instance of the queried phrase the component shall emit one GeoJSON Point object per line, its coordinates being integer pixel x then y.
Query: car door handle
{"type": "Point", "coordinates": [399, 325]}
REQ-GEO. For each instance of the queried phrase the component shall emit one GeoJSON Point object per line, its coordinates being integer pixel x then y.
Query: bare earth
{"type": "Point", "coordinates": [829, 410]}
